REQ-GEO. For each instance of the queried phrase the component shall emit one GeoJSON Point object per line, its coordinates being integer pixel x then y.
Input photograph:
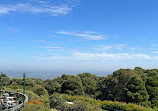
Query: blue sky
{"type": "Point", "coordinates": [78, 35]}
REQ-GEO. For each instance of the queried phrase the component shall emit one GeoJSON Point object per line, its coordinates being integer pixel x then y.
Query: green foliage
{"type": "Point", "coordinates": [15, 81]}
{"type": "Point", "coordinates": [5, 79]}
{"type": "Point", "coordinates": [80, 105]}
{"type": "Point", "coordinates": [124, 85]}
{"type": "Point", "coordinates": [29, 82]}
{"type": "Point", "coordinates": [152, 72]}
{"type": "Point", "coordinates": [72, 85]}
{"type": "Point", "coordinates": [38, 81]}
{"type": "Point", "coordinates": [108, 91]}
{"type": "Point", "coordinates": [90, 83]}
{"type": "Point", "coordinates": [31, 95]}
{"type": "Point", "coordinates": [140, 72]}
{"type": "Point", "coordinates": [39, 90]}
{"type": "Point", "coordinates": [136, 91]}
{"type": "Point", "coordinates": [139, 86]}
{"type": "Point", "coordinates": [152, 88]}
{"type": "Point", "coordinates": [123, 76]}
{"type": "Point", "coordinates": [124, 106]}
{"type": "Point", "coordinates": [34, 107]}
{"type": "Point", "coordinates": [53, 110]}
{"type": "Point", "coordinates": [56, 101]}
{"type": "Point", "coordinates": [18, 83]}
{"type": "Point", "coordinates": [110, 104]}
{"type": "Point", "coordinates": [52, 86]}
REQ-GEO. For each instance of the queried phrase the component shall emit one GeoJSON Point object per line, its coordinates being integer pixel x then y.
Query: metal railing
{"type": "Point", "coordinates": [20, 97]}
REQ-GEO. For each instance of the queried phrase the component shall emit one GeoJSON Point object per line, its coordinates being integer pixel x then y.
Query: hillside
{"type": "Point", "coordinates": [125, 89]}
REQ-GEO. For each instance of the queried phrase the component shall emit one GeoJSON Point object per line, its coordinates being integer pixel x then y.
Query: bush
{"type": "Point", "coordinates": [39, 90]}
{"type": "Point", "coordinates": [56, 101]}
{"type": "Point", "coordinates": [110, 104]}
{"type": "Point", "coordinates": [80, 105]}
{"type": "Point", "coordinates": [34, 107]}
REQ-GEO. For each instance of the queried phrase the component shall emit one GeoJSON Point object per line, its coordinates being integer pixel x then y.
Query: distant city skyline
{"type": "Point", "coordinates": [78, 35]}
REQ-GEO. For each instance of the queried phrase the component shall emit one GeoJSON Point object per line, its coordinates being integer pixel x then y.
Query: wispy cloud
{"type": "Point", "coordinates": [107, 56]}
{"type": "Point", "coordinates": [52, 48]}
{"type": "Point", "coordinates": [34, 6]}
{"type": "Point", "coordinates": [39, 40]}
{"type": "Point", "coordinates": [156, 52]}
{"type": "Point", "coordinates": [55, 57]}
{"type": "Point", "coordinates": [154, 45]}
{"type": "Point", "coordinates": [100, 57]}
{"type": "Point", "coordinates": [133, 49]}
{"type": "Point", "coordinates": [86, 34]}
{"type": "Point", "coordinates": [109, 47]}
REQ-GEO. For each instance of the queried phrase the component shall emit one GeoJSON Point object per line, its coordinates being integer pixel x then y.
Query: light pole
{"type": "Point", "coordinates": [23, 89]}
{"type": "Point", "coordinates": [1, 84]}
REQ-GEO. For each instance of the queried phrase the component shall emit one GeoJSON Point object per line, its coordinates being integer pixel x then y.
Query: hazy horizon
{"type": "Point", "coordinates": [47, 74]}
{"type": "Point", "coordinates": [50, 74]}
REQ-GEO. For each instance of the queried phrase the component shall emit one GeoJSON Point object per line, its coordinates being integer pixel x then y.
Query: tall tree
{"type": "Point", "coordinates": [136, 91]}
{"type": "Point", "coordinates": [90, 83]}
{"type": "Point", "coordinates": [72, 85]}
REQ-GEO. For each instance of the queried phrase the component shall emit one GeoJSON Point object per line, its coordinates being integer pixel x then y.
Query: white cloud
{"type": "Point", "coordinates": [154, 45]}
{"type": "Point", "coordinates": [100, 57]}
{"type": "Point", "coordinates": [119, 46]}
{"type": "Point", "coordinates": [51, 47]}
{"type": "Point", "coordinates": [109, 47]}
{"type": "Point", "coordinates": [35, 6]}
{"type": "Point", "coordinates": [52, 58]}
{"type": "Point", "coordinates": [156, 52]}
{"type": "Point", "coordinates": [39, 40]}
{"type": "Point", "coordinates": [90, 32]}
{"type": "Point", "coordinates": [106, 56]}
{"type": "Point", "coordinates": [104, 48]}
{"type": "Point", "coordinates": [87, 35]}
{"type": "Point", "coordinates": [133, 49]}
{"type": "Point", "coordinates": [51, 50]}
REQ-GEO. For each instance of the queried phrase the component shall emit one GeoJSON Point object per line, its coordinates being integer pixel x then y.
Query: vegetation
{"type": "Point", "coordinates": [107, 104]}
{"type": "Point", "coordinates": [125, 89]}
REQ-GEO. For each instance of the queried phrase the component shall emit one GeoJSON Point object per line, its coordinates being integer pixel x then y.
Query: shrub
{"type": "Point", "coordinates": [56, 101]}
{"type": "Point", "coordinates": [109, 104]}
{"type": "Point", "coordinates": [34, 107]}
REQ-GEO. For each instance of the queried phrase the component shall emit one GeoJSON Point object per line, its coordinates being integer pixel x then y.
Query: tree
{"type": "Point", "coordinates": [39, 90]}
{"type": "Point", "coordinates": [123, 76]}
{"type": "Point", "coordinates": [72, 85]}
{"type": "Point", "coordinates": [52, 86]}
{"type": "Point", "coordinates": [90, 83]}
{"type": "Point", "coordinates": [56, 101]}
{"type": "Point", "coordinates": [141, 72]}
{"type": "Point", "coordinates": [5, 79]}
{"type": "Point", "coordinates": [114, 85]}
{"type": "Point", "coordinates": [84, 106]}
{"type": "Point", "coordinates": [152, 72]}
{"type": "Point", "coordinates": [136, 91]}
{"type": "Point", "coordinates": [108, 91]}
{"type": "Point", "coordinates": [152, 88]}
{"type": "Point", "coordinates": [38, 81]}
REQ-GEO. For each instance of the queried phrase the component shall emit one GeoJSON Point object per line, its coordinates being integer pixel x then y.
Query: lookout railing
{"type": "Point", "coordinates": [19, 97]}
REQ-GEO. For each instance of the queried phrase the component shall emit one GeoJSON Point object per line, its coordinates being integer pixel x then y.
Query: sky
{"type": "Point", "coordinates": [78, 35]}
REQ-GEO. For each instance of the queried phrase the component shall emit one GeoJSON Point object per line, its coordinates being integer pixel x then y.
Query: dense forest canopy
{"type": "Point", "coordinates": [138, 86]}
